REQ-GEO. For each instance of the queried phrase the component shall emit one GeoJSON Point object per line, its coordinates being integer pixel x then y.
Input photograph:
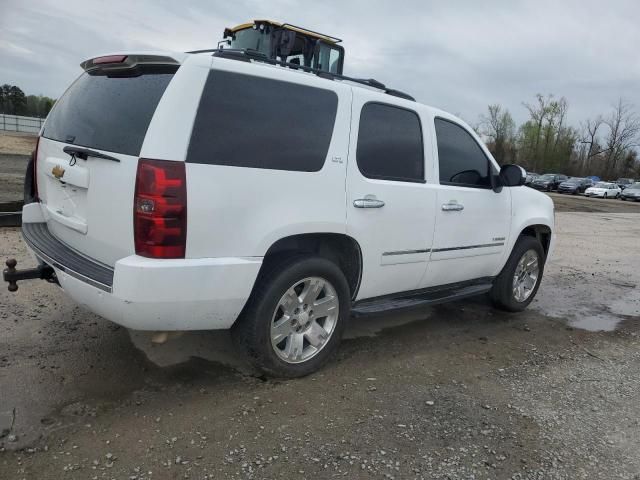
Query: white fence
{"type": "Point", "coordinates": [18, 123]}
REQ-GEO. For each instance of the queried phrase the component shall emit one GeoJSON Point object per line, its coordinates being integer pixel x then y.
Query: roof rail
{"type": "Point", "coordinates": [247, 55]}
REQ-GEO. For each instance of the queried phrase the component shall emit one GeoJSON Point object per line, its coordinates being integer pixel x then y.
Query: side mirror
{"type": "Point", "coordinates": [512, 175]}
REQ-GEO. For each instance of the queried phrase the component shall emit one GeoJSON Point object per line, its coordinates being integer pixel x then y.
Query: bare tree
{"type": "Point", "coordinates": [499, 127]}
{"type": "Point", "coordinates": [538, 114]}
{"type": "Point", "coordinates": [590, 135]}
{"type": "Point", "coordinates": [624, 134]}
{"type": "Point", "coordinates": [589, 141]}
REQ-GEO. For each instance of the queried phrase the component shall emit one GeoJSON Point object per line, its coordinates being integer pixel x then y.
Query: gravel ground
{"type": "Point", "coordinates": [454, 391]}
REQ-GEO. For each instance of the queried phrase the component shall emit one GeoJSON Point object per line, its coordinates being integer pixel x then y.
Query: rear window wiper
{"type": "Point", "coordinates": [84, 153]}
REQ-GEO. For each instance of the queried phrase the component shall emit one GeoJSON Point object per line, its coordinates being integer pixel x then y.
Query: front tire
{"type": "Point", "coordinates": [518, 282]}
{"type": "Point", "coordinates": [295, 317]}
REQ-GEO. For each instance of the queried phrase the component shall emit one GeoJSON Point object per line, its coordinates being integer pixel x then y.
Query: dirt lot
{"type": "Point", "coordinates": [580, 203]}
{"type": "Point", "coordinates": [17, 143]}
{"type": "Point", "coordinates": [455, 391]}
{"type": "Point", "coordinates": [15, 149]}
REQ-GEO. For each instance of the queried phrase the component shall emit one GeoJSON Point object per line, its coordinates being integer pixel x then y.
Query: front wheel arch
{"type": "Point", "coordinates": [539, 231]}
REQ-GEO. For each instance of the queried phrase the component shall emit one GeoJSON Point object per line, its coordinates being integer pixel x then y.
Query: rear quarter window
{"type": "Point", "coordinates": [255, 122]}
{"type": "Point", "coordinates": [107, 113]}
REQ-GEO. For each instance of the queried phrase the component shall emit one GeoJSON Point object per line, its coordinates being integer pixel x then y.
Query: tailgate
{"type": "Point", "coordinates": [87, 192]}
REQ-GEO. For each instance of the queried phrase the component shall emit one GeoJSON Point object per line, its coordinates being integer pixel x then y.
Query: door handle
{"type": "Point", "coordinates": [452, 207]}
{"type": "Point", "coordinates": [369, 201]}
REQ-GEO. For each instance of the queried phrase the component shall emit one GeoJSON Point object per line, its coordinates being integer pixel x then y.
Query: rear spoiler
{"type": "Point", "coordinates": [124, 63]}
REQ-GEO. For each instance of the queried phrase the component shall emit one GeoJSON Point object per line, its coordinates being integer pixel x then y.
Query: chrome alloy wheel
{"type": "Point", "coordinates": [304, 319]}
{"type": "Point", "coordinates": [526, 276]}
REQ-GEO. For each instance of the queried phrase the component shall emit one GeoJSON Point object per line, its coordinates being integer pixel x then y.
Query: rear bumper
{"type": "Point", "coordinates": [148, 294]}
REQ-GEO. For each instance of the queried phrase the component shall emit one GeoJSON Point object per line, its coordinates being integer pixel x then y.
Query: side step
{"type": "Point", "coordinates": [421, 298]}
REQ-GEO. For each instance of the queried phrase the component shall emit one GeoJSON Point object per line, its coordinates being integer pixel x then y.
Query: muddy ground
{"type": "Point", "coordinates": [454, 391]}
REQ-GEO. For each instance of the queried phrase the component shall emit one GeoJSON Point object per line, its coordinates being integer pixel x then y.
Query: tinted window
{"type": "Point", "coordinates": [461, 160]}
{"type": "Point", "coordinates": [107, 113]}
{"type": "Point", "coordinates": [255, 122]}
{"type": "Point", "coordinates": [390, 143]}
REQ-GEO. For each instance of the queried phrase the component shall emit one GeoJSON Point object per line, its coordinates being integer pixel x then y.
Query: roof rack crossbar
{"type": "Point", "coordinates": [248, 54]}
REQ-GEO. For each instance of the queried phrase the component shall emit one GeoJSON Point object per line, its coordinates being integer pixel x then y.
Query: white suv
{"type": "Point", "coordinates": [217, 190]}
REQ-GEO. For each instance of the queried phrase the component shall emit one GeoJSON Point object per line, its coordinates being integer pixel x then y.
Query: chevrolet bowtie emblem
{"type": "Point", "coordinates": [58, 172]}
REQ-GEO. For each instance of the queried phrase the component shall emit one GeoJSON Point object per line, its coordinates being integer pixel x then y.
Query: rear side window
{"type": "Point", "coordinates": [247, 121]}
{"type": "Point", "coordinates": [461, 160]}
{"type": "Point", "coordinates": [390, 143]}
{"type": "Point", "coordinates": [107, 113]}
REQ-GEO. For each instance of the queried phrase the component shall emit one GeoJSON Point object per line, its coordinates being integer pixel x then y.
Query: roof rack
{"type": "Point", "coordinates": [247, 55]}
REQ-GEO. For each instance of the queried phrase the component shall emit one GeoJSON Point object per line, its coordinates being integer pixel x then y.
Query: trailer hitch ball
{"type": "Point", "coordinates": [11, 270]}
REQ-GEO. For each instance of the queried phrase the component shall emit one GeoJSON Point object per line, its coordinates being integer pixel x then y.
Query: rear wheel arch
{"type": "Point", "coordinates": [341, 249]}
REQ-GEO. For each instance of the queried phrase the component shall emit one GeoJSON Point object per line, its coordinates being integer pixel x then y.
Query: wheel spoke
{"type": "Point", "coordinates": [529, 281]}
{"type": "Point", "coordinates": [316, 335]}
{"type": "Point", "coordinates": [289, 301]}
{"type": "Point", "coordinates": [280, 330]}
{"type": "Point", "coordinates": [325, 306]}
{"type": "Point", "coordinates": [295, 343]}
{"type": "Point", "coordinates": [311, 291]}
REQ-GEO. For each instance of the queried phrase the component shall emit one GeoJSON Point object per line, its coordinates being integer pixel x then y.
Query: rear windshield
{"type": "Point", "coordinates": [107, 113]}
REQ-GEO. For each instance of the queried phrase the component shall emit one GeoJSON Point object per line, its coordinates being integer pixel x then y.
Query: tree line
{"type": "Point", "coordinates": [606, 145]}
{"type": "Point", "coordinates": [13, 101]}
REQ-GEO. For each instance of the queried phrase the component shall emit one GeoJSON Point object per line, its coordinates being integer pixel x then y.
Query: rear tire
{"type": "Point", "coordinates": [503, 293]}
{"type": "Point", "coordinates": [277, 328]}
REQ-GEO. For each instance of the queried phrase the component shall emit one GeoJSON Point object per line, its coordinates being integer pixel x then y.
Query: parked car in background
{"type": "Point", "coordinates": [604, 190]}
{"type": "Point", "coordinates": [531, 177]}
{"type": "Point", "coordinates": [575, 185]}
{"type": "Point", "coordinates": [625, 182]}
{"type": "Point", "coordinates": [594, 178]}
{"type": "Point", "coordinates": [632, 192]}
{"type": "Point", "coordinates": [548, 181]}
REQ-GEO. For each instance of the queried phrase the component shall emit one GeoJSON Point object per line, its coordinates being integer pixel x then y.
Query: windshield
{"type": "Point", "coordinates": [574, 181]}
{"type": "Point", "coordinates": [547, 176]}
{"type": "Point", "coordinates": [635, 186]}
{"type": "Point", "coordinates": [252, 39]}
{"type": "Point", "coordinates": [603, 185]}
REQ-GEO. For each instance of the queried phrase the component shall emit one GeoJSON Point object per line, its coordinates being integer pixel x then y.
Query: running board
{"type": "Point", "coordinates": [421, 298]}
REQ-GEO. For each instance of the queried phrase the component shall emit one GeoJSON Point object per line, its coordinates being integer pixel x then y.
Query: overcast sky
{"type": "Point", "coordinates": [456, 55]}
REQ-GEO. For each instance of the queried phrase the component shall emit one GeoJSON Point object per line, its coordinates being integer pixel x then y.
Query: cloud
{"type": "Point", "coordinates": [459, 56]}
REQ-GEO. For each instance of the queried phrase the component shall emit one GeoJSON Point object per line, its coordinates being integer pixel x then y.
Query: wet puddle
{"type": "Point", "coordinates": [596, 323]}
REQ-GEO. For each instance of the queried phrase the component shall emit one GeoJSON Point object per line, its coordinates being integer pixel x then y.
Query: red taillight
{"type": "Point", "coordinates": [160, 209]}
{"type": "Point", "coordinates": [109, 59]}
{"type": "Point", "coordinates": [35, 171]}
